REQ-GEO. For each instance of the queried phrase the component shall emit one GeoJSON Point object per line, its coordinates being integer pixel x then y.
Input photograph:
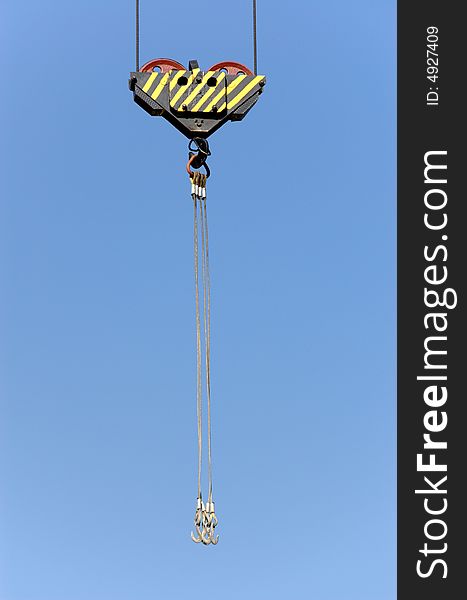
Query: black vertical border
{"type": "Point", "coordinates": [423, 128]}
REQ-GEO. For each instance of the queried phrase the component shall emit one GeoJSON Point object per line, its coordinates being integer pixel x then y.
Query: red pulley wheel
{"type": "Point", "coordinates": [232, 68]}
{"type": "Point", "coordinates": [164, 64]}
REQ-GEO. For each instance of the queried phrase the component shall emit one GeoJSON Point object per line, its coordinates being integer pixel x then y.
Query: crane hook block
{"type": "Point", "coordinates": [196, 102]}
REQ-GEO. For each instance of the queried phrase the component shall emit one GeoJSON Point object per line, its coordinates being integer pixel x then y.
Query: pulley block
{"type": "Point", "coordinates": [196, 102]}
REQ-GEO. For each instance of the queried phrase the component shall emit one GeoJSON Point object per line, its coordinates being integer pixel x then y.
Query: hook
{"type": "Point", "coordinates": [198, 151]}
{"type": "Point", "coordinates": [192, 160]}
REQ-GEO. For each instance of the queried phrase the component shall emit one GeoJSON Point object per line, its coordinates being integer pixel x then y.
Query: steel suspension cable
{"type": "Point", "coordinates": [255, 40]}
{"type": "Point", "coordinates": [137, 35]}
{"type": "Point", "coordinates": [207, 331]}
{"type": "Point", "coordinates": [198, 344]}
{"type": "Point", "coordinates": [255, 37]}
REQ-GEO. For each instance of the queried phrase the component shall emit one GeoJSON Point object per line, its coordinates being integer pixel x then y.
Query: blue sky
{"type": "Point", "coordinates": [97, 363]}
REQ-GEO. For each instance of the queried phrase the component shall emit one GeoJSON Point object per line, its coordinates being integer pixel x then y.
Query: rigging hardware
{"type": "Point", "coordinates": [255, 40]}
{"type": "Point", "coordinates": [197, 156]}
{"type": "Point", "coordinates": [198, 103]}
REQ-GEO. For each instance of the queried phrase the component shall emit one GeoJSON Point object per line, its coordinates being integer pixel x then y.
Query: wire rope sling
{"type": "Point", "coordinates": [198, 103]}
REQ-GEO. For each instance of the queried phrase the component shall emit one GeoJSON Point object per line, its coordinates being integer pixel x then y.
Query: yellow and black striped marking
{"type": "Point", "coordinates": [199, 92]}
